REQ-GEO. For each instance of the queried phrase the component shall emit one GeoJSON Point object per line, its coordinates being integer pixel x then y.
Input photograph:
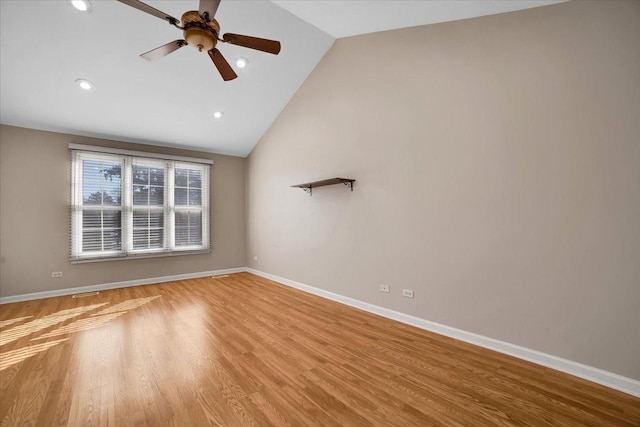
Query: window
{"type": "Point", "coordinates": [127, 206]}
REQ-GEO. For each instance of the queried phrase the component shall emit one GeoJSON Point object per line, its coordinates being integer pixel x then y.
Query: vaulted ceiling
{"type": "Point", "coordinates": [46, 45]}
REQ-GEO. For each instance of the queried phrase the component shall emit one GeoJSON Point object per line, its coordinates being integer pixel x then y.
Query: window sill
{"type": "Point", "coordinates": [142, 256]}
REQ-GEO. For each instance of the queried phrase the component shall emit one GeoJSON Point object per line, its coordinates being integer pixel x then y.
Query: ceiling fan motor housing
{"type": "Point", "coordinates": [199, 33]}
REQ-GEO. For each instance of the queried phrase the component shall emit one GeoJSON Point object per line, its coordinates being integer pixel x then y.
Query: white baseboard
{"type": "Point", "coordinates": [115, 285]}
{"type": "Point", "coordinates": [599, 376]}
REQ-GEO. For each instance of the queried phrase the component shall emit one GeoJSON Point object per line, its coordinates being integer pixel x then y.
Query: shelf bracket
{"type": "Point", "coordinates": [308, 190]}
{"type": "Point", "coordinates": [348, 184]}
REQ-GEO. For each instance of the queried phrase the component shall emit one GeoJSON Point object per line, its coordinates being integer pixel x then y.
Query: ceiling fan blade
{"type": "Point", "coordinates": [269, 46]}
{"type": "Point", "coordinates": [150, 10]}
{"type": "Point", "coordinates": [208, 9]}
{"type": "Point", "coordinates": [222, 65]}
{"type": "Point", "coordinates": [162, 51]}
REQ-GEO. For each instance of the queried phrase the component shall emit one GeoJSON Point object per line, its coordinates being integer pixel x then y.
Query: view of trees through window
{"type": "Point", "coordinates": [102, 196]}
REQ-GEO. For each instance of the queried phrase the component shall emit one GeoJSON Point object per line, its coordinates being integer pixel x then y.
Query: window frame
{"type": "Point", "coordinates": [127, 208]}
{"type": "Point", "coordinates": [203, 207]}
{"type": "Point", "coordinates": [164, 208]}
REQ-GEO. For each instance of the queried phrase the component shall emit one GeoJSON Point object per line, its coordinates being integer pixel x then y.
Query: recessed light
{"type": "Point", "coordinates": [218, 114]}
{"type": "Point", "coordinates": [85, 84]}
{"type": "Point", "coordinates": [241, 62]}
{"type": "Point", "coordinates": [81, 5]}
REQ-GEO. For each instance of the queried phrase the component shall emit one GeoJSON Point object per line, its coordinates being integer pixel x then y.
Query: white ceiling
{"type": "Point", "coordinates": [341, 18]}
{"type": "Point", "coordinates": [46, 45]}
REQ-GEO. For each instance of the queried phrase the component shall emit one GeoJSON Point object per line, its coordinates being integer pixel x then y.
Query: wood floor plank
{"type": "Point", "coordinates": [245, 351]}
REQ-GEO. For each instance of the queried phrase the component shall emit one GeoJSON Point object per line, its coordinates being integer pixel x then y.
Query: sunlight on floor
{"type": "Point", "coordinates": [126, 305]}
{"type": "Point", "coordinates": [8, 322]}
{"type": "Point", "coordinates": [16, 356]}
{"type": "Point", "coordinates": [102, 317]}
{"type": "Point", "coordinates": [39, 324]}
{"type": "Point", "coordinates": [81, 325]}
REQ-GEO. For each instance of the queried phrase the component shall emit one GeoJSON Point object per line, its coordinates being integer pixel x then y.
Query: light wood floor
{"type": "Point", "coordinates": [243, 350]}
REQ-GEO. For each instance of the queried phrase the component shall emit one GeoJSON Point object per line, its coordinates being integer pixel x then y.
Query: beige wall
{"type": "Point", "coordinates": [35, 185]}
{"type": "Point", "coordinates": [498, 176]}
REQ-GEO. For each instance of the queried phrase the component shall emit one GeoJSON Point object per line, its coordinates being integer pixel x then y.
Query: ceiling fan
{"type": "Point", "coordinates": [202, 31]}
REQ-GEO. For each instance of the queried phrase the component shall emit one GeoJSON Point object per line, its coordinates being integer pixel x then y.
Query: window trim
{"type": "Point", "coordinates": [127, 160]}
{"type": "Point", "coordinates": [133, 153]}
{"type": "Point", "coordinates": [139, 256]}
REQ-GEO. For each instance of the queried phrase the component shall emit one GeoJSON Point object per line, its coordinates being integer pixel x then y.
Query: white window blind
{"type": "Point", "coordinates": [126, 206]}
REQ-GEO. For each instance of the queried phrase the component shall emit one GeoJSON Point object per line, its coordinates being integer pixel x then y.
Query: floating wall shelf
{"type": "Point", "coordinates": [309, 186]}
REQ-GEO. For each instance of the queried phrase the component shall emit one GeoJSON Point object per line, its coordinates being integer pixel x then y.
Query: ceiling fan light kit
{"type": "Point", "coordinates": [199, 33]}
{"type": "Point", "coordinates": [202, 31]}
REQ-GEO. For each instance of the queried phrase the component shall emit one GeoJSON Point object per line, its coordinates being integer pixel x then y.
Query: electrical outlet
{"type": "Point", "coordinates": [384, 288]}
{"type": "Point", "coordinates": [255, 257]}
{"type": "Point", "coordinates": [56, 274]}
{"type": "Point", "coordinates": [408, 293]}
